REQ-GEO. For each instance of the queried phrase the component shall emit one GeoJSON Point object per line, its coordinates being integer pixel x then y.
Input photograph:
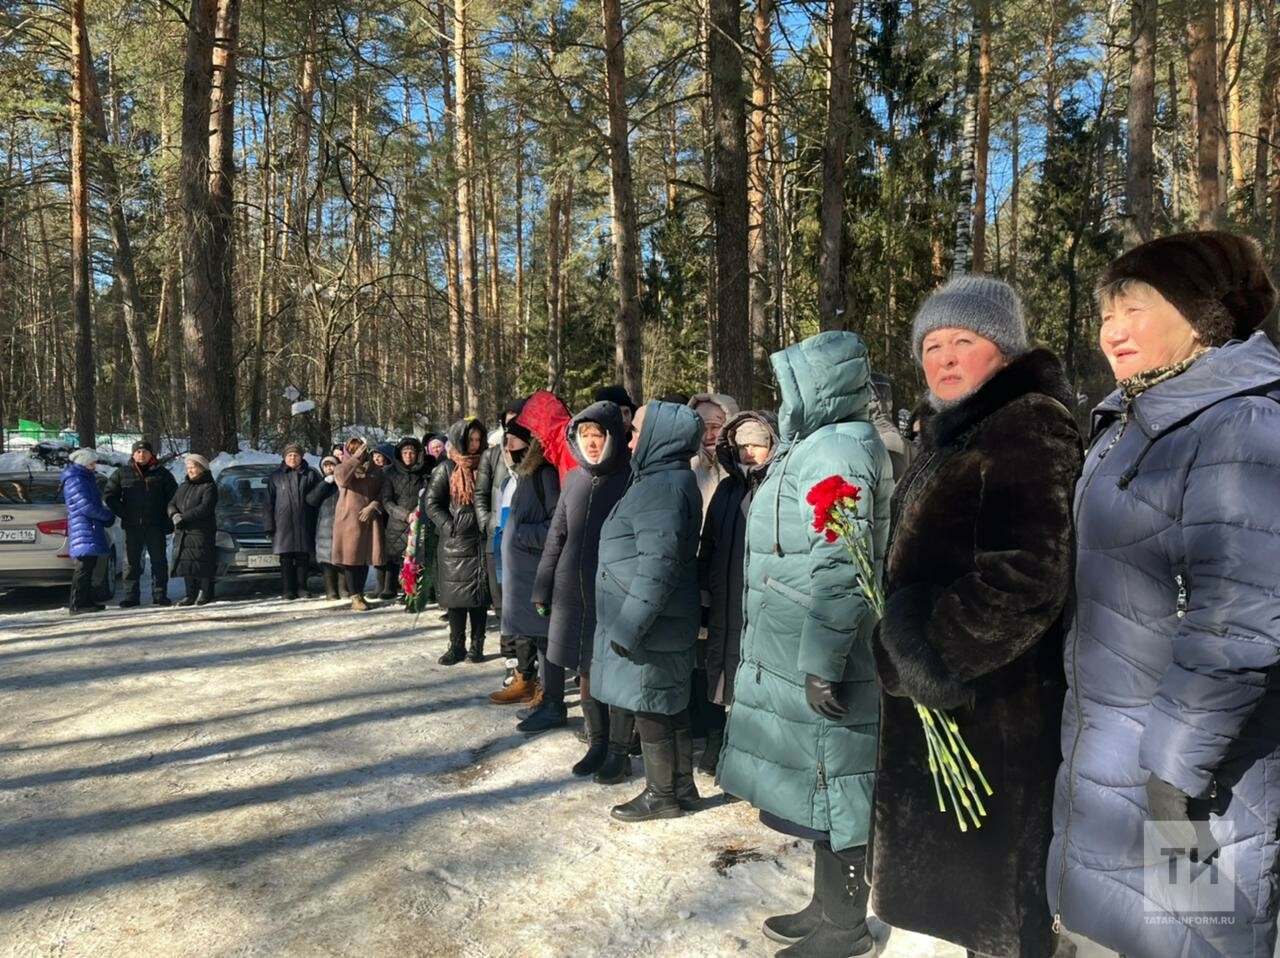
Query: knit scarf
{"type": "Point", "coordinates": [462, 484]}
{"type": "Point", "coordinates": [1137, 384]}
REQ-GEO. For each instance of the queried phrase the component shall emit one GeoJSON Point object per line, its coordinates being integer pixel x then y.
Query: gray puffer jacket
{"type": "Point", "coordinates": [1173, 656]}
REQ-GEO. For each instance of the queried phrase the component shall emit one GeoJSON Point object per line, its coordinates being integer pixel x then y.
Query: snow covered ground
{"type": "Point", "coordinates": [261, 777]}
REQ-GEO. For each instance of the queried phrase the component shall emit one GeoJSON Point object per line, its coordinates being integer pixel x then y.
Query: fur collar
{"type": "Point", "coordinates": [533, 460]}
{"type": "Point", "coordinates": [1038, 371]}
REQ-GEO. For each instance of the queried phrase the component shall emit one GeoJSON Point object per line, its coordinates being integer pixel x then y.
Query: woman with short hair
{"type": "Point", "coordinates": [1171, 730]}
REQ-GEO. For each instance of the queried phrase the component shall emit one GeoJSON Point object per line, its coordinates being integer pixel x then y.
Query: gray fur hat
{"type": "Point", "coordinates": [84, 457]}
{"type": "Point", "coordinates": [987, 306]}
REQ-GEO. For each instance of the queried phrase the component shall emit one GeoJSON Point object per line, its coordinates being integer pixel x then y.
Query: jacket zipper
{"type": "Point", "coordinates": [1182, 596]}
{"type": "Point", "coordinates": [582, 582]}
{"type": "Point", "coordinates": [1075, 689]}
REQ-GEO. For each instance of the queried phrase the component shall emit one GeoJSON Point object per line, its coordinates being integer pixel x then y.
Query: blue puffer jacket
{"type": "Point", "coordinates": [1173, 655]}
{"type": "Point", "coordinates": [87, 515]}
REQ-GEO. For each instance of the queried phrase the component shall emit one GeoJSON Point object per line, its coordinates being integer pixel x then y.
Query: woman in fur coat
{"type": "Point", "coordinates": [979, 567]}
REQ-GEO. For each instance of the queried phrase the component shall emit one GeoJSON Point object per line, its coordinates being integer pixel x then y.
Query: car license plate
{"type": "Point", "coordinates": [264, 562]}
{"type": "Point", "coordinates": [17, 535]}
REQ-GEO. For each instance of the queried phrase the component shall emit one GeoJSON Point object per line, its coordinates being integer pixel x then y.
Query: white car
{"type": "Point", "coordinates": [33, 535]}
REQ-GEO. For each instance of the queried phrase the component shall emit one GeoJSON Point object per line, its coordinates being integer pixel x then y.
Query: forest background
{"type": "Point", "coordinates": [407, 211]}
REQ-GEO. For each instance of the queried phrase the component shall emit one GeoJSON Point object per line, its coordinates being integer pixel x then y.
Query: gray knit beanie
{"type": "Point", "coordinates": [984, 305]}
{"type": "Point", "coordinates": [84, 457]}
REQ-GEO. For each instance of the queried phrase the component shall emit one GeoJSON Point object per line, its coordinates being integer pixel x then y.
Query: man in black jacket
{"type": "Point", "coordinates": [139, 494]}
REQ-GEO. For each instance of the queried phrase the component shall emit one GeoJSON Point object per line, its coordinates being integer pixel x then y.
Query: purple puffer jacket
{"type": "Point", "coordinates": [87, 515]}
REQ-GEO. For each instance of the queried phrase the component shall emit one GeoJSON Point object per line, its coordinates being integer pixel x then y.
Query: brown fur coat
{"type": "Point", "coordinates": [978, 571]}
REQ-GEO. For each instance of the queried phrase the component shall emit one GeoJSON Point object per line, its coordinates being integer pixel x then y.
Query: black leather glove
{"type": "Point", "coordinates": [620, 650]}
{"type": "Point", "coordinates": [821, 696]}
{"type": "Point", "coordinates": [1168, 807]}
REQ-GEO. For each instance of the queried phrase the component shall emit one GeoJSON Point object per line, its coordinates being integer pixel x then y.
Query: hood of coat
{"type": "Point", "coordinates": [727, 403]}
{"type": "Point", "coordinates": [419, 467]}
{"type": "Point", "coordinates": [608, 417]}
{"type": "Point", "coordinates": [1038, 371]}
{"type": "Point", "coordinates": [727, 449]}
{"type": "Point", "coordinates": [534, 458]}
{"type": "Point", "coordinates": [670, 436]}
{"type": "Point", "coordinates": [460, 428]}
{"type": "Point", "coordinates": [822, 380]}
{"type": "Point", "coordinates": [545, 415]}
{"type": "Point", "coordinates": [1241, 367]}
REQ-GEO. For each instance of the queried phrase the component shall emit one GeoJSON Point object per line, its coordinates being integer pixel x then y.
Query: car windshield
{"type": "Point", "coordinates": [242, 490]}
{"type": "Point", "coordinates": [25, 489]}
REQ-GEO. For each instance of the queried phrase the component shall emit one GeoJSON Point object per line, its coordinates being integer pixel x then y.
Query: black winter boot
{"type": "Point", "coordinates": [390, 581]}
{"type": "Point", "coordinates": [595, 718]}
{"type": "Point", "coordinates": [192, 588]}
{"type": "Point", "coordinates": [711, 754]}
{"type": "Point", "coordinates": [658, 800]}
{"type": "Point", "coordinates": [457, 650]}
{"type": "Point", "coordinates": [547, 716]}
{"type": "Point", "coordinates": [617, 762]}
{"type": "Point", "coordinates": [380, 574]}
{"type": "Point", "coordinates": [476, 652]}
{"type": "Point", "coordinates": [204, 595]}
{"type": "Point", "coordinates": [331, 582]}
{"type": "Point", "coordinates": [686, 791]}
{"type": "Point", "coordinates": [842, 931]}
{"type": "Point", "coordinates": [791, 928]}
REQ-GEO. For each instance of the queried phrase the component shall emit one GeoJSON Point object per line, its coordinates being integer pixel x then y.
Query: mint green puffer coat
{"type": "Point", "coordinates": [647, 598]}
{"type": "Point", "coordinates": [803, 611]}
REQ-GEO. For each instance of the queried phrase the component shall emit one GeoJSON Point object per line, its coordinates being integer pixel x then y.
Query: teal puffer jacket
{"type": "Point", "coordinates": [803, 612]}
{"type": "Point", "coordinates": [647, 597]}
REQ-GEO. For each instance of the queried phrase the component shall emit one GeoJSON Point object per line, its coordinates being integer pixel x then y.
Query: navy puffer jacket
{"type": "Point", "coordinates": [1173, 655]}
{"type": "Point", "coordinates": [87, 515]}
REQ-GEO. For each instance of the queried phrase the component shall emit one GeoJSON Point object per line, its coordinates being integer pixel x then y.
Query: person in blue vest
{"type": "Point", "coordinates": [1171, 727]}
{"type": "Point", "coordinates": [88, 519]}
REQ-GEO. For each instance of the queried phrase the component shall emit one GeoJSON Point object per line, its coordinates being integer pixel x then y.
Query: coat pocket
{"type": "Point", "coordinates": [787, 592]}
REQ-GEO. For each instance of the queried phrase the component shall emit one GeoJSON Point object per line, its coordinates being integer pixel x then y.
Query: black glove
{"type": "Point", "coordinates": [821, 696]}
{"type": "Point", "coordinates": [620, 650]}
{"type": "Point", "coordinates": [1169, 808]}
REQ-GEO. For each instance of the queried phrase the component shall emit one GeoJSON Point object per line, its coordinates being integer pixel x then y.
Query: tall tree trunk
{"type": "Point", "coordinates": [554, 298]}
{"type": "Point", "coordinates": [732, 364]}
{"type": "Point", "coordinates": [1015, 196]}
{"type": "Point", "coordinates": [1142, 93]}
{"type": "Point", "coordinates": [1268, 114]}
{"type": "Point", "coordinates": [1202, 34]}
{"type": "Point", "coordinates": [1236, 30]}
{"type": "Point", "coordinates": [831, 297]}
{"type": "Point", "coordinates": [470, 293]}
{"type": "Point", "coordinates": [758, 185]}
{"type": "Point", "coordinates": [134, 310]}
{"type": "Point", "coordinates": [962, 251]}
{"type": "Point", "coordinates": [457, 347]}
{"type": "Point", "coordinates": [982, 146]}
{"type": "Point", "coordinates": [521, 324]}
{"type": "Point", "coordinates": [624, 229]}
{"type": "Point", "coordinates": [86, 419]}
{"type": "Point", "coordinates": [221, 250]}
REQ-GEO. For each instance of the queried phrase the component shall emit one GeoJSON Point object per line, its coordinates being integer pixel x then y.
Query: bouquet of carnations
{"type": "Point", "coordinates": [410, 571]}
{"type": "Point", "coordinates": [954, 769]}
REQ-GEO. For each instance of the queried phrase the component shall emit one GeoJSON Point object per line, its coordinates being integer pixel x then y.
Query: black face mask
{"type": "Point", "coordinates": [517, 455]}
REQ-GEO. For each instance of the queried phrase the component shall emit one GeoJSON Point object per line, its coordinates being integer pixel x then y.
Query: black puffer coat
{"type": "Point", "coordinates": [406, 482]}
{"type": "Point", "coordinates": [567, 572]}
{"type": "Point", "coordinates": [722, 553]}
{"type": "Point", "coordinates": [525, 533]}
{"type": "Point", "coordinates": [324, 499]}
{"type": "Point", "coordinates": [461, 579]}
{"type": "Point", "coordinates": [194, 548]}
{"type": "Point", "coordinates": [140, 497]}
{"type": "Point", "coordinates": [286, 515]}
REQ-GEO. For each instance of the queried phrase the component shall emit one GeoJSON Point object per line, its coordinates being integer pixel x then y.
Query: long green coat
{"type": "Point", "coordinates": [803, 611]}
{"type": "Point", "coordinates": [647, 598]}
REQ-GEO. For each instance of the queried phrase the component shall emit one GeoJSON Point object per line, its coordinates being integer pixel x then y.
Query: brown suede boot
{"type": "Point", "coordinates": [358, 604]}
{"type": "Point", "coordinates": [521, 691]}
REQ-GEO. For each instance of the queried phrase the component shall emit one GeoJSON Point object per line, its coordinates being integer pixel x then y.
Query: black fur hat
{"type": "Point", "coordinates": [1218, 281]}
